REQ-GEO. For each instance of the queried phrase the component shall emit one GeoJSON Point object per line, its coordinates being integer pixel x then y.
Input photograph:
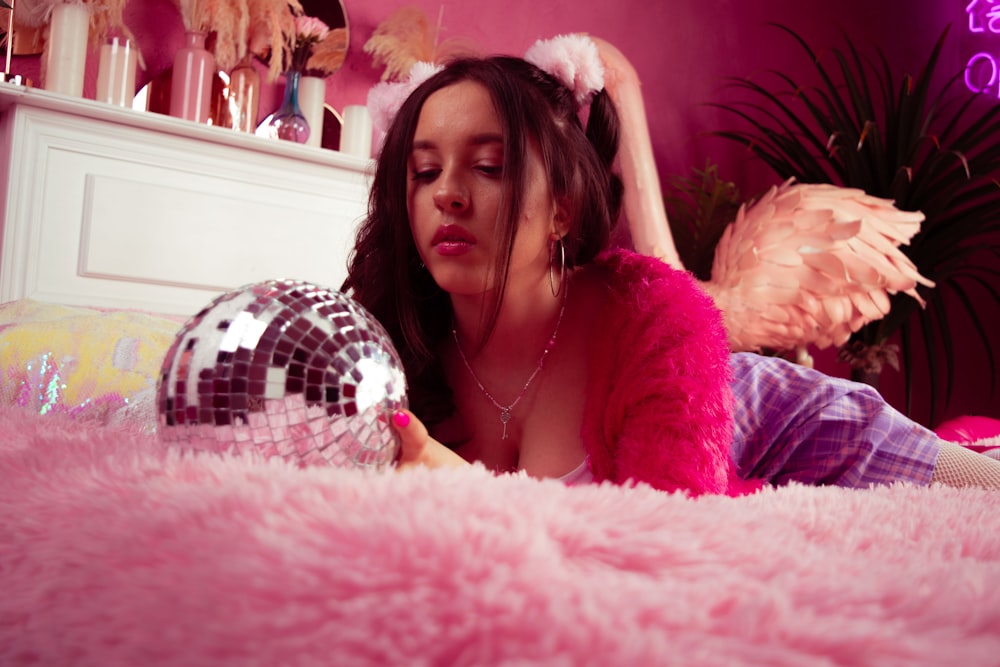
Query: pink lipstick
{"type": "Point", "coordinates": [452, 240]}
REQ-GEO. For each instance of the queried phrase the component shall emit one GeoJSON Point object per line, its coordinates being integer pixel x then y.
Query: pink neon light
{"type": "Point", "coordinates": [992, 17]}
{"type": "Point", "coordinates": [993, 68]}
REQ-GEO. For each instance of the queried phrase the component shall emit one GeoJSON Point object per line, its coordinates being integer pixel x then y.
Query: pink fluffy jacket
{"type": "Point", "coordinates": [659, 398]}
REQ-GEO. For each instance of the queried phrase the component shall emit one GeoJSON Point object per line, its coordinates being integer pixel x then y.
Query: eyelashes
{"type": "Point", "coordinates": [426, 175]}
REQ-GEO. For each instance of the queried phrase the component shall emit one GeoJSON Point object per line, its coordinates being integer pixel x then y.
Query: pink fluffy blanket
{"type": "Point", "coordinates": [115, 552]}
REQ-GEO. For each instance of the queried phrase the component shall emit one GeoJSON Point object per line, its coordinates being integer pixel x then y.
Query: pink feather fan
{"type": "Point", "coordinates": [809, 264]}
{"type": "Point", "coordinates": [805, 265]}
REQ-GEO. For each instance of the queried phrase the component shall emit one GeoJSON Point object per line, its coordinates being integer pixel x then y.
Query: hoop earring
{"type": "Point", "coordinates": [562, 268]}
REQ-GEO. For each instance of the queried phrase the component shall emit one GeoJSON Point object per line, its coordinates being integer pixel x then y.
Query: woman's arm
{"type": "Point", "coordinates": [659, 401]}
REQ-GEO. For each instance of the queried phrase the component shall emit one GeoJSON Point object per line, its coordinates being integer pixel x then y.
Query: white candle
{"type": "Point", "coordinates": [66, 49]}
{"type": "Point", "coordinates": [356, 132]}
{"type": "Point", "coordinates": [312, 95]}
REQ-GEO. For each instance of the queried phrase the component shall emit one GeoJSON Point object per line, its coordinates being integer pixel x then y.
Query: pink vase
{"type": "Point", "coordinates": [191, 81]}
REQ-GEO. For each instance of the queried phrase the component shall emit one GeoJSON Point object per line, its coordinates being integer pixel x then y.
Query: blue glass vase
{"type": "Point", "coordinates": [287, 122]}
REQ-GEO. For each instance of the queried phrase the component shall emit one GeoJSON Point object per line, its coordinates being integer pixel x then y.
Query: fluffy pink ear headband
{"type": "Point", "coordinates": [572, 59]}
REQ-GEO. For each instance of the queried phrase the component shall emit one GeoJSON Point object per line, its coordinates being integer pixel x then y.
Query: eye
{"type": "Point", "coordinates": [491, 170]}
{"type": "Point", "coordinates": [424, 174]}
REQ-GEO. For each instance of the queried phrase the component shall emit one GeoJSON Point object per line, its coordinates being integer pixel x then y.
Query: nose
{"type": "Point", "coordinates": [452, 194]}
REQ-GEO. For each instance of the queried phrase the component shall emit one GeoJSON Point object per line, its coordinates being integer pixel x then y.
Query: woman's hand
{"type": "Point", "coordinates": [417, 447]}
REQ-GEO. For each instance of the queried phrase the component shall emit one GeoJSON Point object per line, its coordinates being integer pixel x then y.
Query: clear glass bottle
{"type": "Point", "coordinates": [244, 95]}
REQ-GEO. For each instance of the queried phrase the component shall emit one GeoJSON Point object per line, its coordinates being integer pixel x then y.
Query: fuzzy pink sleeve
{"type": "Point", "coordinates": [660, 399]}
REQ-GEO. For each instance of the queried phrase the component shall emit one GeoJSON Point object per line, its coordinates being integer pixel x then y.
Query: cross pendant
{"type": "Point", "coordinates": [504, 418]}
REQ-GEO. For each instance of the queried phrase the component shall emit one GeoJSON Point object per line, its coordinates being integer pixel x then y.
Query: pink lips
{"type": "Point", "coordinates": [452, 240]}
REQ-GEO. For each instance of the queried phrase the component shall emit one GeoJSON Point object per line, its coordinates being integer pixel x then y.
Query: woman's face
{"type": "Point", "coordinates": [454, 191]}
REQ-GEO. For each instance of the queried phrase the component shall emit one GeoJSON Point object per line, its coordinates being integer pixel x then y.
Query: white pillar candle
{"type": "Point", "coordinates": [66, 49]}
{"type": "Point", "coordinates": [116, 73]}
{"type": "Point", "coordinates": [356, 132]}
{"type": "Point", "coordinates": [312, 95]}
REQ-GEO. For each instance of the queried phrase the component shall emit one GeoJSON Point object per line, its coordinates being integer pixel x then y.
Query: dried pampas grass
{"type": "Point", "coordinates": [406, 37]}
{"type": "Point", "coordinates": [105, 15]}
{"type": "Point", "coordinates": [270, 21]}
{"type": "Point", "coordinates": [106, 18]}
{"type": "Point", "coordinates": [257, 27]}
{"type": "Point", "coordinates": [328, 54]}
{"type": "Point", "coordinates": [228, 19]}
{"type": "Point", "coordinates": [37, 13]}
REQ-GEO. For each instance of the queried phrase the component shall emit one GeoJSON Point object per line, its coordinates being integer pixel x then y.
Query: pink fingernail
{"type": "Point", "coordinates": [401, 418]}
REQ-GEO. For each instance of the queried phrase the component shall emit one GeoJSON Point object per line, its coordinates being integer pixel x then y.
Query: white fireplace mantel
{"type": "Point", "coordinates": [117, 208]}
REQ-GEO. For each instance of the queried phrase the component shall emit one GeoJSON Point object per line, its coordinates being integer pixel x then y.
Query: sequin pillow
{"type": "Point", "coordinates": [90, 364]}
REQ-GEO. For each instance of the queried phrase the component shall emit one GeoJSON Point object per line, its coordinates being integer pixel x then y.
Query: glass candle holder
{"type": "Point", "coordinates": [244, 96]}
{"type": "Point", "coordinates": [116, 73]}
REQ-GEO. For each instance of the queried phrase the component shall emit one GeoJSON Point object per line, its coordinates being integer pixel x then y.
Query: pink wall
{"type": "Point", "coordinates": [682, 49]}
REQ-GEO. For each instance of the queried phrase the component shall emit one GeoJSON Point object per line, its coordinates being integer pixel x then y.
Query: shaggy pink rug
{"type": "Point", "coordinates": [113, 552]}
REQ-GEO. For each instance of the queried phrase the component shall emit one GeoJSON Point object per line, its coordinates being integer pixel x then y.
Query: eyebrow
{"type": "Point", "coordinates": [476, 140]}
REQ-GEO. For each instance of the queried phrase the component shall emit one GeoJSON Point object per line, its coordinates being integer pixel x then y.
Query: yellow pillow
{"type": "Point", "coordinates": [88, 363]}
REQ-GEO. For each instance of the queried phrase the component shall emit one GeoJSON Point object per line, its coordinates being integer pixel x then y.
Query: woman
{"type": "Point", "coordinates": [530, 346]}
{"type": "Point", "coordinates": [525, 347]}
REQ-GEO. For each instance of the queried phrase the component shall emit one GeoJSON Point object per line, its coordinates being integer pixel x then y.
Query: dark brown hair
{"type": "Point", "coordinates": [385, 273]}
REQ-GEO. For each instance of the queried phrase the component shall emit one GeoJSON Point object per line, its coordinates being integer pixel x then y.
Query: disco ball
{"type": "Point", "coordinates": [284, 368]}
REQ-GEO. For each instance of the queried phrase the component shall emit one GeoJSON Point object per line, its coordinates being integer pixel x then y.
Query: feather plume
{"type": "Point", "coordinates": [406, 37]}
{"type": "Point", "coordinates": [810, 264]}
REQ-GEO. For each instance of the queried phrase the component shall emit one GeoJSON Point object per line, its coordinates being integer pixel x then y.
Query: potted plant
{"type": "Point", "coordinates": [699, 207]}
{"type": "Point", "coordinates": [923, 143]}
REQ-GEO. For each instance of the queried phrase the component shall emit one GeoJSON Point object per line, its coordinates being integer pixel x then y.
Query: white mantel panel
{"type": "Point", "coordinates": [243, 234]}
{"type": "Point", "coordinates": [137, 214]}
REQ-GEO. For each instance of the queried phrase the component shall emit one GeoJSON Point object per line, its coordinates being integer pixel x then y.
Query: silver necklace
{"type": "Point", "coordinates": [505, 410]}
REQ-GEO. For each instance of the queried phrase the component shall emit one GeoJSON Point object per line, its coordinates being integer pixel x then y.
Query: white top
{"type": "Point", "coordinates": [579, 475]}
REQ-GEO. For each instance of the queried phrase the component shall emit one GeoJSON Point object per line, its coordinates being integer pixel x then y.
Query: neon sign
{"type": "Point", "coordinates": [982, 71]}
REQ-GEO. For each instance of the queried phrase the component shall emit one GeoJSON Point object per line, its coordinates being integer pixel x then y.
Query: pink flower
{"type": "Point", "coordinates": [310, 29]}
